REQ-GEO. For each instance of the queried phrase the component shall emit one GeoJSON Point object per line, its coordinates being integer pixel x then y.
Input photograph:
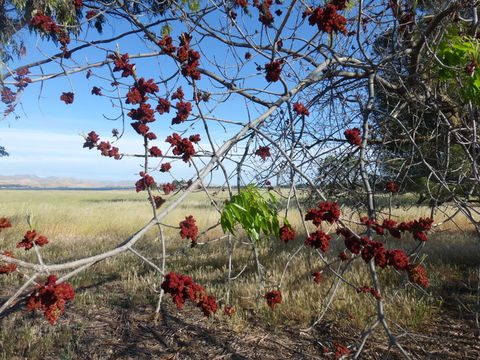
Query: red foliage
{"type": "Point", "coordinates": [166, 44]}
{"type": "Point", "coordinates": [263, 152]}
{"type": "Point", "coordinates": [398, 259]}
{"type": "Point", "coordinates": [67, 97]}
{"type": "Point", "coordinates": [181, 146]}
{"type": "Point", "coordinates": [30, 238]}
{"type": "Point", "coordinates": [168, 188]}
{"type": "Point", "coordinates": [44, 23]}
{"type": "Point", "coordinates": [178, 94]}
{"type": "Point", "coordinates": [328, 20]}
{"type": "Point", "coordinates": [91, 140]}
{"type": "Point", "coordinates": [90, 14]}
{"type": "Point", "coordinates": [8, 268]}
{"type": "Point", "coordinates": [319, 240]}
{"type": "Point", "coordinates": [122, 63]}
{"type": "Point", "coordinates": [188, 229]}
{"type": "Point", "coordinates": [165, 167]}
{"type": "Point", "coordinates": [51, 297]}
{"type": "Point", "coordinates": [391, 226]}
{"type": "Point", "coordinates": [273, 71]}
{"type": "Point", "coordinates": [192, 63]}
{"type": "Point", "coordinates": [143, 113]}
{"type": "Point", "coordinates": [300, 109]}
{"type": "Point", "coordinates": [209, 305]}
{"type": "Point", "coordinates": [8, 96]}
{"type": "Point", "coordinates": [183, 111]}
{"type": "Point", "coordinates": [194, 138]}
{"type": "Point", "coordinates": [353, 136]}
{"type": "Point", "coordinates": [287, 233]}
{"type": "Point", "coordinates": [273, 298]}
{"type": "Point", "coordinates": [375, 250]}
{"type": "Point", "coordinates": [145, 182]}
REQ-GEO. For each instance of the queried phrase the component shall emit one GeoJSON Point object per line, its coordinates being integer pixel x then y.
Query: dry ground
{"type": "Point", "coordinates": [112, 315]}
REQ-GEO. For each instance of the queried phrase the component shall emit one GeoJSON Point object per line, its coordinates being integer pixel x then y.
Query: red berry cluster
{"type": "Point", "coordinates": [4, 223]}
{"type": "Point", "coordinates": [163, 106]}
{"type": "Point", "coordinates": [317, 277]}
{"type": "Point", "coordinates": [327, 211]}
{"type": "Point", "coordinates": [158, 201]}
{"type": "Point", "coordinates": [67, 97]}
{"type": "Point", "coordinates": [263, 152]}
{"type": "Point", "coordinates": [138, 93]}
{"type": "Point", "coordinates": [21, 79]}
{"type": "Point", "coordinates": [182, 288]}
{"type": "Point", "coordinates": [44, 23]}
{"type": "Point", "coordinates": [166, 44]}
{"type": "Point", "coordinates": [188, 229]}
{"type": "Point", "coordinates": [353, 136]}
{"type": "Point", "coordinates": [165, 167]}
{"type": "Point", "coordinates": [300, 109]}
{"type": "Point", "coordinates": [122, 63]}
{"type": "Point", "coordinates": [273, 71]}
{"type": "Point", "coordinates": [105, 148]}
{"type": "Point", "coordinates": [470, 68]}
{"type": "Point", "coordinates": [146, 181]}
{"type": "Point", "coordinates": [229, 311]}
{"type": "Point", "coordinates": [96, 91]}
{"type": "Point", "coordinates": [8, 96]}
{"type": "Point", "coordinates": [273, 298]}
{"type": "Point", "coordinates": [31, 238]}
{"type": "Point", "coordinates": [319, 240]}
{"type": "Point", "coordinates": [327, 19]}
{"type": "Point", "coordinates": [183, 146]}
{"type": "Point", "coordinates": [189, 58]}
{"type": "Point", "coordinates": [417, 228]}
{"type": "Point", "coordinates": [287, 233]}
{"type": "Point", "coordinates": [155, 151]}
{"type": "Point", "coordinates": [343, 256]}
{"type": "Point", "coordinates": [265, 17]}
{"type": "Point", "coordinates": [168, 188]}
{"type": "Point", "coordinates": [371, 290]}
{"type": "Point", "coordinates": [184, 108]}
{"type": "Point", "coordinates": [418, 275]}
{"type": "Point", "coordinates": [392, 187]}
{"type": "Point", "coordinates": [8, 268]}
{"type": "Point", "coordinates": [51, 297]}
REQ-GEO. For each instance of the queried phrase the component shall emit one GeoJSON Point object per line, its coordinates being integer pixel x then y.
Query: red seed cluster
{"type": "Point", "coordinates": [67, 97]}
{"type": "Point", "coordinates": [273, 70]}
{"type": "Point", "coordinates": [263, 152]}
{"type": "Point", "coordinates": [96, 91]}
{"type": "Point", "coordinates": [51, 297]}
{"type": "Point", "coordinates": [287, 233]}
{"type": "Point", "coordinates": [7, 95]}
{"type": "Point", "coordinates": [163, 106]}
{"type": "Point", "coordinates": [319, 240]}
{"type": "Point", "coordinates": [44, 23]}
{"type": "Point", "coordinates": [168, 188]}
{"type": "Point", "coordinates": [188, 229]}
{"type": "Point", "coordinates": [165, 167]}
{"type": "Point", "coordinates": [105, 148]}
{"type": "Point", "coordinates": [155, 151]}
{"type": "Point", "coordinates": [4, 223]}
{"type": "Point", "coordinates": [182, 288]}
{"type": "Point", "coordinates": [138, 93]}
{"type": "Point", "coordinates": [327, 19]}
{"type": "Point", "coordinates": [166, 44]}
{"type": "Point", "coordinates": [353, 136]}
{"type": "Point", "coordinates": [300, 109]}
{"type": "Point", "coordinates": [229, 311]}
{"type": "Point", "coordinates": [392, 187]}
{"type": "Point", "coordinates": [145, 182]}
{"type": "Point", "coordinates": [273, 298]}
{"type": "Point", "coordinates": [418, 275]}
{"type": "Point", "coordinates": [158, 201]}
{"type": "Point", "coordinates": [122, 63]}
{"type": "Point", "coordinates": [242, 3]}
{"type": "Point", "coordinates": [31, 238]}
{"type": "Point", "coordinates": [181, 146]}
{"type": "Point", "coordinates": [21, 79]}
{"type": "Point", "coordinates": [8, 268]}
{"type": "Point", "coordinates": [90, 14]}
{"type": "Point", "coordinates": [371, 290]}
{"type": "Point", "coordinates": [343, 256]}
{"type": "Point", "coordinates": [317, 277]}
{"type": "Point", "coordinates": [265, 17]}
{"type": "Point", "coordinates": [327, 211]}
{"type": "Point", "coordinates": [184, 108]}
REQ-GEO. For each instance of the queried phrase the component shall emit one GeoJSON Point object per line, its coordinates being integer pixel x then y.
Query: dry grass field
{"type": "Point", "coordinates": [112, 314]}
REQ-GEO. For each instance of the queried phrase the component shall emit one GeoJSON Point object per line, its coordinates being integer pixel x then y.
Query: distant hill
{"type": "Point", "coordinates": [36, 182]}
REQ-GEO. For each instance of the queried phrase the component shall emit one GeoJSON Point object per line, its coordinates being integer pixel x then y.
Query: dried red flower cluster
{"type": "Point", "coordinates": [67, 97]}
{"type": "Point", "coordinates": [182, 288]}
{"type": "Point", "coordinates": [327, 19]}
{"type": "Point", "coordinates": [138, 93]}
{"type": "Point", "coordinates": [145, 182]}
{"type": "Point", "coordinates": [327, 211]}
{"type": "Point", "coordinates": [8, 96]}
{"type": "Point", "coordinates": [90, 14]}
{"type": "Point", "coordinates": [158, 201]}
{"type": "Point", "coordinates": [353, 136]}
{"type": "Point", "coordinates": [8, 268]}
{"type": "Point", "coordinates": [273, 70]}
{"type": "Point", "coordinates": [371, 290]}
{"type": "Point", "coordinates": [188, 229]}
{"type": "Point", "coordinates": [181, 146]}
{"type": "Point", "coordinates": [165, 167]}
{"type": "Point", "coordinates": [265, 17]}
{"type": "Point", "coordinates": [229, 311]}
{"type": "Point", "coordinates": [184, 109]}
{"type": "Point", "coordinates": [21, 79]}
{"type": "Point", "coordinates": [319, 240]}
{"type": "Point", "coordinates": [417, 228]}
{"type": "Point", "coordinates": [31, 238]}
{"type": "Point", "coordinates": [163, 106]}
{"type": "Point", "coordinates": [417, 274]}
{"type": "Point", "coordinates": [122, 63]}
{"type": "Point", "coordinates": [4, 223]}
{"type": "Point", "coordinates": [168, 188]}
{"type": "Point", "coordinates": [317, 277]}
{"type": "Point", "coordinates": [343, 256]}
{"type": "Point", "coordinates": [263, 152]}
{"type": "Point", "coordinates": [51, 297]}
{"type": "Point", "coordinates": [300, 109]}
{"type": "Point", "coordinates": [287, 233]}
{"type": "Point", "coordinates": [44, 23]}
{"type": "Point", "coordinates": [105, 148]}
{"type": "Point", "coordinates": [392, 187]}
{"type": "Point", "coordinates": [155, 151]}
{"type": "Point", "coordinates": [273, 298]}
{"type": "Point", "coordinates": [189, 58]}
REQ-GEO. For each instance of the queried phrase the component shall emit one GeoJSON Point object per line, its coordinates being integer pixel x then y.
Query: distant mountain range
{"type": "Point", "coordinates": [36, 182]}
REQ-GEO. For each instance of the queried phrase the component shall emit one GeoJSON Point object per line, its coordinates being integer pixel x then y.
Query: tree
{"type": "Point", "coordinates": [291, 93]}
